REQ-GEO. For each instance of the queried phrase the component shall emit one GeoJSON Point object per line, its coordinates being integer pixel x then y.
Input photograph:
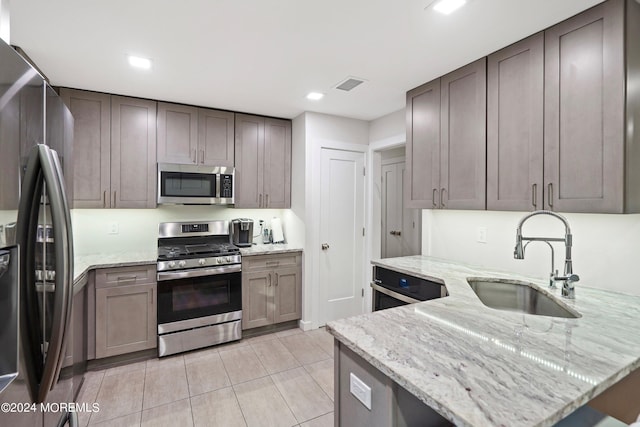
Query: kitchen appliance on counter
{"type": "Point", "coordinates": [393, 289]}
{"type": "Point", "coordinates": [195, 185]}
{"type": "Point", "coordinates": [199, 286]}
{"type": "Point", "coordinates": [36, 269]}
{"type": "Point", "coordinates": [242, 232]}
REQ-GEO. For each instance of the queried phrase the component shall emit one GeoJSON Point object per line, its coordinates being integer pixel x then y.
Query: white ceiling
{"type": "Point", "coordinates": [263, 56]}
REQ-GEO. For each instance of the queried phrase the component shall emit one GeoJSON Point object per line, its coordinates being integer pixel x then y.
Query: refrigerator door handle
{"type": "Point", "coordinates": [43, 167]}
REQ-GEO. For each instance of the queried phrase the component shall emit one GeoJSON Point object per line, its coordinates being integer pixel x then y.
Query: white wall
{"type": "Point", "coordinates": [387, 126]}
{"type": "Point", "coordinates": [138, 228]}
{"type": "Point", "coordinates": [606, 248]}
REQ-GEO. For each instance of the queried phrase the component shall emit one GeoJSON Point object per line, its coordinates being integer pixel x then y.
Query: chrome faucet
{"type": "Point", "coordinates": [569, 278]}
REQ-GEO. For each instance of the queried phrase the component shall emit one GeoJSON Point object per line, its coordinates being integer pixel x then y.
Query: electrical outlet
{"type": "Point", "coordinates": [360, 390]}
{"type": "Point", "coordinates": [481, 234]}
{"type": "Point", "coordinates": [113, 228]}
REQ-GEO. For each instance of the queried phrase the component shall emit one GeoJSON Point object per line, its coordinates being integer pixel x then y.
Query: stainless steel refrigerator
{"type": "Point", "coordinates": [36, 253]}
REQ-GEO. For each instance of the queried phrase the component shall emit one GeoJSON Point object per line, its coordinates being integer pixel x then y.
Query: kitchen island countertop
{"type": "Point", "coordinates": [478, 366]}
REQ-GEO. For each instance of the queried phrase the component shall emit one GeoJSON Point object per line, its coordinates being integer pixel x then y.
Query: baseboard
{"type": "Point", "coordinates": [305, 325]}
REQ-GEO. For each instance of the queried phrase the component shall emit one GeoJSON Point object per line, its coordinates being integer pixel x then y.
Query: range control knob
{"type": "Point", "coordinates": [201, 261]}
{"type": "Point", "coordinates": [228, 259]}
{"type": "Point", "coordinates": [182, 263]}
{"type": "Point", "coordinates": [172, 264]}
{"type": "Point", "coordinates": [219, 260]}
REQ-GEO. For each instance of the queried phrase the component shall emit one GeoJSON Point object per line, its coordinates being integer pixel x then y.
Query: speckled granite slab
{"type": "Point", "coordinates": [275, 248]}
{"type": "Point", "coordinates": [478, 366]}
{"type": "Point", "coordinates": [83, 263]}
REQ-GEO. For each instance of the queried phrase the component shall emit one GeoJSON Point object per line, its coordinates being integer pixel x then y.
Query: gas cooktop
{"type": "Point", "coordinates": [203, 250]}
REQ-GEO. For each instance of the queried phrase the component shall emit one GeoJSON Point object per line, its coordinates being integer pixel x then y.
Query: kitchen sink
{"type": "Point", "coordinates": [523, 297]}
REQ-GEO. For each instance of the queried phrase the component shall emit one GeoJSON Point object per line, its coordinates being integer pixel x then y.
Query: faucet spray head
{"type": "Point", "coordinates": [518, 252]}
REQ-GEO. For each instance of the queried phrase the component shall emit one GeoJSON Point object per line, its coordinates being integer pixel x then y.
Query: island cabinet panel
{"type": "Point", "coordinates": [446, 141]}
{"type": "Point", "coordinates": [133, 153]}
{"type": "Point", "coordinates": [585, 111]}
{"type": "Point", "coordinates": [515, 103]}
{"type": "Point", "coordinates": [177, 133]}
{"type": "Point", "coordinates": [271, 289]}
{"type": "Point", "coordinates": [125, 310]}
{"type": "Point", "coordinates": [263, 162]}
{"type": "Point", "coordinates": [91, 147]}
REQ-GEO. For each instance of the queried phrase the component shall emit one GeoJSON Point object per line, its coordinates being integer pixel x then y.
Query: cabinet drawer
{"type": "Point", "coordinates": [138, 274]}
{"type": "Point", "coordinates": [264, 262]}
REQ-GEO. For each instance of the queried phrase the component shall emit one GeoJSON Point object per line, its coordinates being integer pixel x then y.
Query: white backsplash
{"type": "Point", "coordinates": [138, 228]}
{"type": "Point", "coordinates": [606, 248]}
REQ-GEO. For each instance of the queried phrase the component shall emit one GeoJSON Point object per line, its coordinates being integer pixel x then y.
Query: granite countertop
{"type": "Point", "coordinates": [273, 248]}
{"type": "Point", "coordinates": [478, 366]}
{"type": "Point", "coordinates": [83, 263]}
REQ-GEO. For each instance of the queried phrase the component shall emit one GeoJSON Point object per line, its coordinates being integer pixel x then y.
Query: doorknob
{"type": "Point", "coordinates": [398, 233]}
{"type": "Point", "coordinates": [325, 246]}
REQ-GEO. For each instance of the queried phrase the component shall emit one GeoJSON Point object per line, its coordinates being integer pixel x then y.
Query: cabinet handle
{"type": "Point", "coordinates": [151, 297]}
{"type": "Point", "coordinates": [266, 200]}
{"type": "Point", "coordinates": [442, 198]}
{"type": "Point", "coordinates": [195, 156]}
{"type": "Point", "coordinates": [276, 279]}
{"type": "Point", "coordinates": [434, 194]}
{"type": "Point", "coordinates": [269, 279]}
{"type": "Point", "coordinates": [104, 199]}
{"type": "Point", "coordinates": [202, 156]}
{"type": "Point", "coordinates": [534, 195]}
{"type": "Point", "coordinates": [127, 278]}
{"type": "Point", "coordinates": [114, 198]}
{"type": "Point", "coordinates": [272, 263]}
{"type": "Point", "coordinates": [260, 202]}
{"type": "Point", "coordinates": [550, 196]}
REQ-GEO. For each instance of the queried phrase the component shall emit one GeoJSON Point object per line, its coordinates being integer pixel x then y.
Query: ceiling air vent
{"type": "Point", "coordinates": [349, 83]}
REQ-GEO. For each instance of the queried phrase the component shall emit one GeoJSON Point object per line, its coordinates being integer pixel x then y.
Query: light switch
{"type": "Point", "coordinates": [113, 228]}
{"type": "Point", "coordinates": [360, 390]}
{"type": "Point", "coordinates": [481, 233]}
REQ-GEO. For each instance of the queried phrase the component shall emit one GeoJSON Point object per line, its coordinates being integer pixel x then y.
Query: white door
{"type": "Point", "coordinates": [341, 234]}
{"type": "Point", "coordinates": [401, 227]}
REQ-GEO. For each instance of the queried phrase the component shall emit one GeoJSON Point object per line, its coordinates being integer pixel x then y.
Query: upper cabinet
{"type": "Point", "coordinates": [191, 135]}
{"type": "Point", "coordinates": [263, 162]}
{"type": "Point", "coordinates": [446, 141]}
{"type": "Point", "coordinates": [515, 97]}
{"type": "Point", "coordinates": [114, 150]}
{"type": "Point", "coordinates": [584, 110]}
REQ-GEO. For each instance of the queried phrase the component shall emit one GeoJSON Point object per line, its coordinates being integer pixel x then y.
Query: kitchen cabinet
{"type": "Point", "coordinates": [271, 289]}
{"type": "Point", "coordinates": [515, 82]}
{"type": "Point", "coordinates": [114, 150]}
{"type": "Point", "coordinates": [125, 310]}
{"type": "Point", "coordinates": [263, 162]}
{"type": "Point", "coordinates": [446, 141]}
{"type": "Point", "coordinates": [191, 135]}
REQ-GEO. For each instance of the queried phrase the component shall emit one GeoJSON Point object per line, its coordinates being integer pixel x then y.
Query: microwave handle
{"type": "Point", "coordinates": [218, 177]}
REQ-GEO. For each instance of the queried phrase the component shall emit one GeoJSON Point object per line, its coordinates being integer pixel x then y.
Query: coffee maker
{"type": "Point", "coordinates": [242, 232]}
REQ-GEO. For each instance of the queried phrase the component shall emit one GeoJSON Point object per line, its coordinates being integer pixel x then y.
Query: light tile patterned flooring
{"type": "Point", "coordinates": [280, 379]}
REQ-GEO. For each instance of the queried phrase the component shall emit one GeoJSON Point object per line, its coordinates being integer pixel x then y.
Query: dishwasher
{"type": "Point", "coordinates": [393, 289]}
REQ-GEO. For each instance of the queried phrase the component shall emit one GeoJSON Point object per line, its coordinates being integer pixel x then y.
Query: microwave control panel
{"type": "Point", "coordinates": [226, 186]}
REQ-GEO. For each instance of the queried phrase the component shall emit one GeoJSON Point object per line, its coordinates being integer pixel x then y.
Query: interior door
{"type": "Point", "coordinates": [341, 233]}
{"type": "Point", "coordinates": [401, 231]}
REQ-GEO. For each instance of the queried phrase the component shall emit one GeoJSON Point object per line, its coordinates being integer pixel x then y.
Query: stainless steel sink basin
{"type": "Point", "coordinates": [512, 295]}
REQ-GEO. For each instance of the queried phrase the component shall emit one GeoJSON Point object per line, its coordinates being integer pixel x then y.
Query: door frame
{"type": "Point", "coordinates": [386, 162]}
{"type": "Point", "coordinates": [311, 303]}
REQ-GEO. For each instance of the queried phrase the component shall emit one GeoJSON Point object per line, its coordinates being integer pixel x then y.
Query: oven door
{"type": "Point", "coordinates": [191, 294]}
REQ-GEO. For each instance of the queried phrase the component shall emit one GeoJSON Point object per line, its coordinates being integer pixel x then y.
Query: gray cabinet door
{"type": "Point", "coordinates": [463, 142]}
{"type": "Point", "coordinates": [277, 164]}
{"type": "Point", "coordinates": [133, 153]}
{"type": "Point", "coordinates": [287, 294]}
{"type": "Point", "coordinates": [257, 299]}
{"type": "Point", "coordinates": [423, 146]}
{"type": "Point", "coordinates": [215, 138]}
{"type": "Point", "coordinates": [177, 133]}
{"type": "Point", "coordinates": [125, 319]}
{"type": "Point", "coordinates": [515, 103]}
{"type": "Point", "coordinates": [249, 157]}
{"type": "Point", "coordinates": [584, 111]}
{"type": "Point", "coordinates": [91, 147]}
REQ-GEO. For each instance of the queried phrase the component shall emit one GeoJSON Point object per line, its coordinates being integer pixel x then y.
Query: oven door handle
{"type": "Point", "coordinates": [393, 294]}
{"type": "Point", "coordinates": [197, 272]}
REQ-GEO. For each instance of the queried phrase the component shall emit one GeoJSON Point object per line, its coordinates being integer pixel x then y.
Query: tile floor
{"type": "Point", "coordinates": [280, 379]}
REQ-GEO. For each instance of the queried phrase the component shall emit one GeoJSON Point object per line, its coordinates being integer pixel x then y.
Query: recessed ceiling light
{"type": "Point", "coordinates": [448, 6]}
{"type": "Point", "coordinates": [139, 62]}
{"type": "Point", "coordinates": [314, 96]}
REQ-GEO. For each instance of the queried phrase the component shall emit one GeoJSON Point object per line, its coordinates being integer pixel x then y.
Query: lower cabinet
{"type": "Point", "coordinates": [125, 310]}
{"type": "Point", "coordinates": [271, 289]}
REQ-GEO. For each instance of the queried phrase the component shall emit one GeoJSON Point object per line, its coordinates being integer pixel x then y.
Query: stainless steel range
{"type": "Point", "coordinates": [199, 286]}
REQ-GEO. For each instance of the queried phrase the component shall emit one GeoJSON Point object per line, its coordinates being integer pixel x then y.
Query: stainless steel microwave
{"type": "Point", "coordinates": [195, 185]}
